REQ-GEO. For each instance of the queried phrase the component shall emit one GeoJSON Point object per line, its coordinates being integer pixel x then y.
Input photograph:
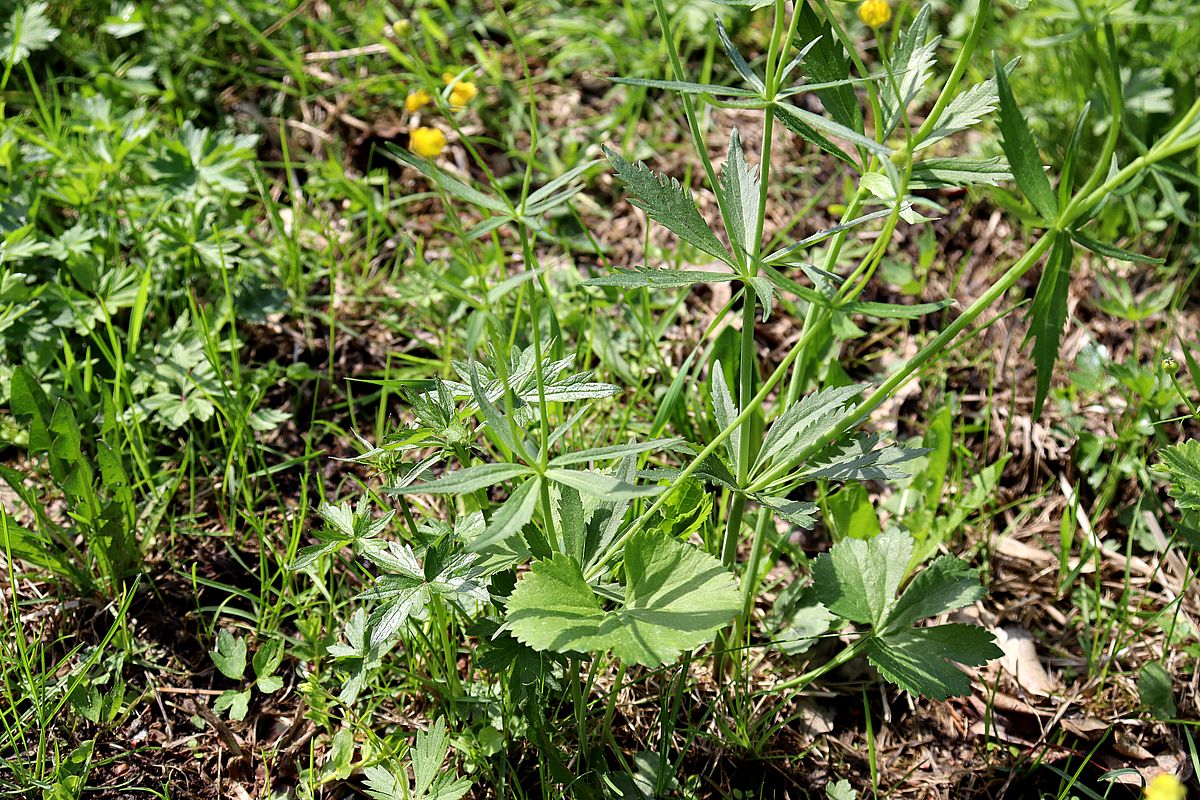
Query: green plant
{"type": "Point", "coordinates": [610, 572]}
{"type": "Point", "coordinates": [230, 658]}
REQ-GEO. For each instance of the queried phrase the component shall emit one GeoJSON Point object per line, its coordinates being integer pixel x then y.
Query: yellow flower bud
{"type": "Point", "coordinates": [1165, 787]}
{"type": "Point", "coordinates": [426, 142]}
{"type": "Point", "coordinates": [875, 13]}
{"type": "Point", "coordinates": [1169, 365]}
{"type": "Point", "coordinates": [461, 92]}
{"type": "Point", "coordinates": [400, 28]}
{"type": "Point", "coordinates": [416, 100]}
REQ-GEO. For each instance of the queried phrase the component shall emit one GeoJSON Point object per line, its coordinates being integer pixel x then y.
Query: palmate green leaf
{"type": "Point", "coordinates": [327, 544]}
{"type": "Point", "coordinates": [944, 585]}
{"type": "Point", "coordinates": [354, 523]}
{"type": "Point", "coordinates": [803, 627]}
{"type": "Point", "coordinates": [230, 655]}
{"type": "Point", "coordinates": [919, 660]}
{"type": "Point", "coordinates": [841, 790]}
{"type": "Point", "coordinates": [408, 586]}
{"type": "Point", "coordinates": [430, 780]}
{"type": "Point", "coordinates": [356, 658]}
{"type": "Point", "coordinates": [1021, 150]}
{"type": "Point", "coordinates": [712, 470]}
{"type": "Point", "coordinates": [559, 385]}
{"type": "Point", "coordinates": [800, 513]}
{"type": "Point", "coordinates": [857, 579]}
{"type": "Point", "coordinates": [1182, 462]}
{"type": "Point", "coordinates": [676, 598]}
{"type": "Point", "coordinates": [266, 660]}
{"type": "Point", "coordinates": [71, 774]}
{"type": "Point", "coordinates": [825, 61]}
{"type": "Point", "coordinates": [649, 278]}
{"type": "Point", "coordinates": [668, 203]}
{"type": "Point", "coordinates": [806, 421]}
{"type": "Point", "coordinates": [465, 481]}
{"type": "Point", "coordinates": [741, 187]}
{"type": "Point", "coordinates": [1156, 690]}
{"type": "Point", "coordinates": [237, 703]}
{"type": "Point", "coordinates": [345, 527]}
{"type": "Point", "coordinates": [1048, 315]}
{"type": "Point", "coordinates": [685, 511]}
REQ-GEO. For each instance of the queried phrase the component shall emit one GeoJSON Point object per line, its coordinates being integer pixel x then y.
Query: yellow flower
{"type": "Point", "coordinates": [875, 13]}
{"type": "Point", "coordinates": [1165, 787]}
{"type": "Point", "coordinates": [461, 92]}
{"type": "Point", "coordinates": [427, 142]}
{"type": "Point", "coordinates": [415, 100]}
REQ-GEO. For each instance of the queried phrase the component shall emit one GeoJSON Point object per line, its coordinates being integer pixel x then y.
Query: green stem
{"type": "Point", "coordinates": [1187, 401]}
{"type": "Point", "coordinates": [748, 358]}
{"type": "Point", "coordinates": [801, 681]}
{"type": "Point", "coordinates": [543, 406]}
{"type": "Point", "coordinates": [741, 625]}
{"type": "Point", "coordinates": [610, 707]}
{"type": "Point", "coordinates": [733, 527]}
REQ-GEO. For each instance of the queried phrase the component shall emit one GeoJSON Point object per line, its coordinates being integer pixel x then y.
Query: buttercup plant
{"type": "Point", "coordinates": [558, 555]}
{"type": "Point", "coordinates": [690, 400]}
